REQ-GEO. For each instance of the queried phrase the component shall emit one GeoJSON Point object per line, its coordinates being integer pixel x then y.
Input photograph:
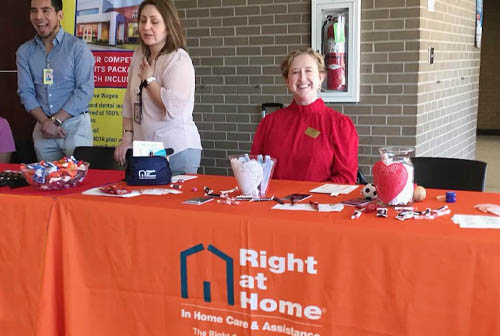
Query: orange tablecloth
{"type": "Point", "coordinates": [153, 266]}
{"type": "Point", "coordinates": [23, 235]}
{"type": "Point", "coordinates": [24, 220]}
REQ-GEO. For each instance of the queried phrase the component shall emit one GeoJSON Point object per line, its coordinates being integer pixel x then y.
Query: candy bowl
{"type": "Point", "coordinates": [55, 175]}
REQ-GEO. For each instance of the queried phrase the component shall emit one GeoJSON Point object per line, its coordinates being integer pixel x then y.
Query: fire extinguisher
{"type": "Point", "coordinates": [335, 52]}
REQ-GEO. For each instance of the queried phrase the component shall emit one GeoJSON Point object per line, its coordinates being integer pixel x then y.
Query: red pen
{"type": "Point", "coordinates": [314, 205]}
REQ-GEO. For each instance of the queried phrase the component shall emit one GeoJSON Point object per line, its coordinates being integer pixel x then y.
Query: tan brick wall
{"type": "Point", "coordinates": [489, 87]}
{"type": "Point", "coordinates": [237, 45]}
{"type": "Point", "coordinates": [448, 89]}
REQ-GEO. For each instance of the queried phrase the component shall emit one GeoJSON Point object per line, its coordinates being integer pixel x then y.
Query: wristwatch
{"type": "Point", "coordinates": [56, 121]}
{"type": "Point", "coordinates": [149, 80]}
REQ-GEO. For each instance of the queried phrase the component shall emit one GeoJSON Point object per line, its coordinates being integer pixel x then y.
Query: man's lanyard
{"type": "Point", "coordinates": [48, 74]}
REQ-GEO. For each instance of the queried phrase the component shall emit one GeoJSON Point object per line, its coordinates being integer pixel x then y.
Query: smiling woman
{"type": "Point", "coordinates": [311, 141]}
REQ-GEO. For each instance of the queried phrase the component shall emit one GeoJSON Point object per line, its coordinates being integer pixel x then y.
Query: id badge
{"type": "Point", "coordinates": [48, 76]}
{"type": "Point", "coordinates": [138, 113]}
{"type": "Point", "coordinates": [313, 133]}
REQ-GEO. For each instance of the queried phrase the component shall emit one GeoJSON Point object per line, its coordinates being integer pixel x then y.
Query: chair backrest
{"type": "Point", "coordinates": [361, 178]}
{"type": "Point", "coordinates": [98, 157]}
{"type": "Point", "coordinates": [267, 106]}
{"type": "Point", "coordinates": [449, 173]}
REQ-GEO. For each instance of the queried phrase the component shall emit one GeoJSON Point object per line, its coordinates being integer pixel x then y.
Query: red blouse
{"type": "Point", "coordinates": [311, 143]}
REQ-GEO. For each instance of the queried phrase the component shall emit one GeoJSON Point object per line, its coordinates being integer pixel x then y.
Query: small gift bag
{"type": "Point", "coordinates": [393, 176]}
{"type": "Point", "coordinates": [147, 170]}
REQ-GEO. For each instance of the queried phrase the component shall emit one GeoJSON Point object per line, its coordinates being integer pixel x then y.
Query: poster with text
{"type": "Point", "coordinates": [111, 31]}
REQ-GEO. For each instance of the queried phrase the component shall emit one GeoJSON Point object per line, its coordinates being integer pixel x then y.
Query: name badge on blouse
{"type": "Point", "coordinates": [48, 76]}
{"type": "Point", "coordinates": [138, 113]}
{"type": "Point", "coordinates": [313, 133]}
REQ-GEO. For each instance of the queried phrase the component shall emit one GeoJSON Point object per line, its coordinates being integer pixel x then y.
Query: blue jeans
{"type": "Point", "coordinates": [78, 133]}
{"type": "Point", "coordinates": [185, 162]}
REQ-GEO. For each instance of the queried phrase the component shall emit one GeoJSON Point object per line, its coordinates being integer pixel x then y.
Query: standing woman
{"type": "Point", "coordinates": [159, 99]}
{"type": "Point", "coordinates": [311, 141]}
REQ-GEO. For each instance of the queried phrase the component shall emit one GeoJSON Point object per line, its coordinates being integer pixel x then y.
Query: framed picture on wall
{"type": "Point", "coordinates": [479, 22]}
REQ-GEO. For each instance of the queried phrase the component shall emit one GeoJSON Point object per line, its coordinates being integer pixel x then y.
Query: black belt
{"type": "Point", "coordinates": [72, 116]}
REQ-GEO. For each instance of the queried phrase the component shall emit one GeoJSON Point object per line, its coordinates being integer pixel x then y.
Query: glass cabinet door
{"type": "Point", "coordinates": [336, 35]}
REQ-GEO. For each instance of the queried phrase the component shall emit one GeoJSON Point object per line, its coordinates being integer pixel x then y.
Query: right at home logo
{"type": "Point", "coordinates": [207, 296]}
{"type": "Point", "coordinates": [250, 300]}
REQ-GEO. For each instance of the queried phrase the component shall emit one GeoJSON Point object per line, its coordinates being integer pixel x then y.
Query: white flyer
{"type": "Point", "coordinates": [148, 148]}
{"type": "Point", "coordinates": [334, 189]}
{"type": "Point", "coordinates": [477, 221]}
{"type": "Point", "coordinates": [309, 207]}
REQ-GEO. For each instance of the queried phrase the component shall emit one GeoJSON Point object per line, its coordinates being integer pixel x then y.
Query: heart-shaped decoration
{"type": "Point", "coordinates": [389, 179]}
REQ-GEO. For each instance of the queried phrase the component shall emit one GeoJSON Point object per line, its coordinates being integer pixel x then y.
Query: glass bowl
{"type": "Point", "coordinates": [253, 173]}
{"type": "Point", "coordinates": [62, 174]}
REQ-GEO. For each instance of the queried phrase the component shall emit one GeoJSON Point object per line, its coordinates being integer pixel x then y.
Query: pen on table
{"type": "Point", "coordinates": [276, 199]}
{"type": "Point", "coordinates": [314, 205]}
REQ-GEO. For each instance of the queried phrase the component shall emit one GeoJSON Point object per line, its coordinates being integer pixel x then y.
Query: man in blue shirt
{"type": "Point", "coordinates": [55, 75]}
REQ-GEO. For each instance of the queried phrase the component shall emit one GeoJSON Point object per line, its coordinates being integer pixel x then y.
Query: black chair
{"type": "Point", "coordinates": [98, 157]}
{"type": "Point", "coordinates": [449, 173]}
{"type": "Point", "coordinates": [270, 106]}
{"type": "Point", "coordinates": [361, 178]}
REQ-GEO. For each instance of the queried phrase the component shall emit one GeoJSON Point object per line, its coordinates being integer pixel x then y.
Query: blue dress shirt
{"type": "Point", "coordinates": [73, 72]}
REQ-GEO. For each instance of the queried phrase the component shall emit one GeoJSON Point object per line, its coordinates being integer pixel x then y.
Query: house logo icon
{"type": "Point", "coordinates": [206, 284]}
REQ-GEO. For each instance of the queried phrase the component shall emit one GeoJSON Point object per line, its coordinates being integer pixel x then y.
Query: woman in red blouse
{"type": "Point", "coordinates": [311, 141]}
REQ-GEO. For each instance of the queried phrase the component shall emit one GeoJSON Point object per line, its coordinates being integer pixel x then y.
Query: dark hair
{"type": "Point", "coordinates": [175, 33]}
{"type": "Point", "coordinates": [57, 4]}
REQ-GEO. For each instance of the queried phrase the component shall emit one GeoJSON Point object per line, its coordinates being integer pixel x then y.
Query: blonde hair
{"type": "Point", "coordinates": [285, 65]}
{"type": "Point", "coordinates": [176, 37]}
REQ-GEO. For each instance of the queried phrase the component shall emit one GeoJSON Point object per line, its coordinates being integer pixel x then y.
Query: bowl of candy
{"type": "Point", "coordinates": [61, 174]}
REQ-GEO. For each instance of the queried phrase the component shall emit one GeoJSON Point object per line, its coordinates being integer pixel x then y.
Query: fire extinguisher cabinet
{"type": "Point", "coordinates": [335, 34]}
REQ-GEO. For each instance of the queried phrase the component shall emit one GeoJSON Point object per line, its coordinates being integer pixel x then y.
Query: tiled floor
{"type": "Point", "coordinates": [488, 150]}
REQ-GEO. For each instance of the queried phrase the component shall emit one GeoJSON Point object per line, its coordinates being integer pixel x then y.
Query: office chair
{"type": "Point", "coordinates": [361, 178]}
{"type": "Point", "coordinates": [449, 173]}
{"type": "Point", "coordinates": [273, 106]}
{"type": "Point", "coordinates": [98, 157]}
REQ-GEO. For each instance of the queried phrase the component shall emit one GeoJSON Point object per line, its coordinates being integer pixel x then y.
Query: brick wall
{"type": "Point", "coordinates": [448, 90]}
{"type": "Point", "coordinates": [386, 114]}
{"type": "Point", "coordinates": [489, 88]}
{"type": "Point", "coordinates": [237, 46]}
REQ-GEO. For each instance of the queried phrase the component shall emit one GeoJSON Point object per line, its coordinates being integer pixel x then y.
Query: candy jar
{"type": "Point", "coordinates": [393, 176]}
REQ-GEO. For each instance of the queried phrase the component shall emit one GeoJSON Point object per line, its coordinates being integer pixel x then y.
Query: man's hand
{"type": "Point", "coordinates": [51, 131]}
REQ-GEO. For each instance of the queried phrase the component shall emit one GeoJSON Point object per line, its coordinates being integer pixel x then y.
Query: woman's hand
{"type": "Point", "coordinates": [146, 70]}
{"type": "Point", "coordinates": [121, 151]}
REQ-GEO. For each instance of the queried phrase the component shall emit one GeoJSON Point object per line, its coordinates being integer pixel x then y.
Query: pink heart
{"type": "Point", "coordinates": [390, 180]}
